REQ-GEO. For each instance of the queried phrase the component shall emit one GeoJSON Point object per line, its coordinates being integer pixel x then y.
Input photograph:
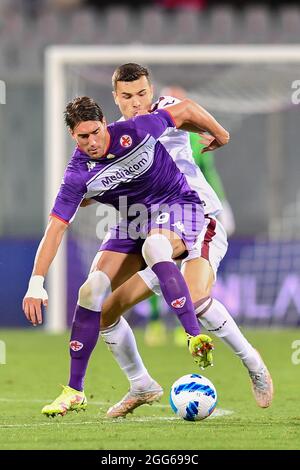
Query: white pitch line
{"type": "Point", "coordinates": [218, 411]}
{"type": "Point", "coordinates": [36, 425]}
{"type": "Point", "coordinates": [47, 400]}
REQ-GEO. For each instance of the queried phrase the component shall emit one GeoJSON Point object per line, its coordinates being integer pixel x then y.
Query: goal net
{"type": "Point", "coordinates": [253, 92]}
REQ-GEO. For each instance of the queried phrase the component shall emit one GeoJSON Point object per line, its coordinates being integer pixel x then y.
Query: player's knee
{"type": "Point", "coordinates": [200, 286]}
{"type": "Point", "coordinates": [93, 292]}
{"type": "Point", "coordinates": [198, 294]}
{"type": "Point", "coordinates": [157, 248]}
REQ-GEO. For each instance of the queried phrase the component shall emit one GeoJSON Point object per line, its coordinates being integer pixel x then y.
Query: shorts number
{"type": "Point", "coordinates": [163, 218]}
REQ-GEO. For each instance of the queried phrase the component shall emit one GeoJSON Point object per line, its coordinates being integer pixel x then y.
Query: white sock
{"type": "Point", "coordinates": [218, 321]}
{"type": "Point", "coordinates": [121, 342]}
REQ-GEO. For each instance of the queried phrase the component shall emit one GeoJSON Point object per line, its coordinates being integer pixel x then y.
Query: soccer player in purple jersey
{"type": "Point", "coordinates": [111, 162]}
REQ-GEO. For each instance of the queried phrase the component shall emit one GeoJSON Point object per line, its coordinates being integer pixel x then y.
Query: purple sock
{"type": "Point", "coordinates": [177, 296]}
{"type": "Point", "coordinates": [84, 337]}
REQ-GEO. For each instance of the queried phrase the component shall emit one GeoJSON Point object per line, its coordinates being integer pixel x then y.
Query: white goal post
{"type": "Point", "coordinates": [58, 57]}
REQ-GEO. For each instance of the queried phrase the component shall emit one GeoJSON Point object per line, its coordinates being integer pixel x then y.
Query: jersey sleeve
{"type": "Point", "coordinates": [69, 197]}
{"type": "Point", "coordinates": [155, 123]}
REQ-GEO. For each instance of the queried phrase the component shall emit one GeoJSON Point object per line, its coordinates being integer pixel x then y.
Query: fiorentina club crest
{"type": "Point", "coordinates": [76, 345]}
{"type": "Point", "coordinates": [126, 141]}
{"type": "Point", "coordinates": [91, 165]}
{"type": "Point", "coordinates": [178, 303]}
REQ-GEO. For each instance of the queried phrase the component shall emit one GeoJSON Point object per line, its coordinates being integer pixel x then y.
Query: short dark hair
{"type": "Point", "coordinates": [82, 108]}
{"type": "Point", "coordinates": [129, 73]}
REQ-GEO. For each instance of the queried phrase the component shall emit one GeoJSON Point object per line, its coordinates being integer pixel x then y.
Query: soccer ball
{"type": "Point", "coordinates": [193, 397]}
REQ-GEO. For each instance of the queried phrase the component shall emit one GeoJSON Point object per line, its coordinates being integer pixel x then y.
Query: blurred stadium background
{"type": "Point", "coordinates": [259, 279]}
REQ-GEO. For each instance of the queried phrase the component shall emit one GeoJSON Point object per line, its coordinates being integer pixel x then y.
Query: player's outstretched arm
{"type": "Point", "coordinates": [36, 294]}
{"type": "Point", "coordinates": [190, 116]}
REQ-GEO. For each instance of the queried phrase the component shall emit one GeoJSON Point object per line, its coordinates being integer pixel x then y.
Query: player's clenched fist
{"type": "Point", "coordinates": [34, 297]}
{"type": "Point", "coordinates": [214, 142]}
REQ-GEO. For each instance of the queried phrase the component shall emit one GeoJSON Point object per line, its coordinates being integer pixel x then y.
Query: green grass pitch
{"type": "Point", "coordinates": [37, 363]}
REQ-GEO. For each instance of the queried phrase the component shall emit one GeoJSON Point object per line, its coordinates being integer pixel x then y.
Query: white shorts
{"type": "Point", "coordinates": [211, 245]}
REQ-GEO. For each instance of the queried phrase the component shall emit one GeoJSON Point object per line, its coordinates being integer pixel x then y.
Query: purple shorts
{"type": "Point", "coordinates": [186, 219]}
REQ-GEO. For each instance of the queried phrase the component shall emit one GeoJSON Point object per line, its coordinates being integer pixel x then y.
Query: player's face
{"type": "Point", "coordinates": [91, 137]}
{"type": "Point", "coordinates": [134, 97]}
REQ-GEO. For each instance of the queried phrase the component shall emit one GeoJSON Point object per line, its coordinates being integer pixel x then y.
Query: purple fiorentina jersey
{"type": "Point", "coordinates": [135, 165]}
